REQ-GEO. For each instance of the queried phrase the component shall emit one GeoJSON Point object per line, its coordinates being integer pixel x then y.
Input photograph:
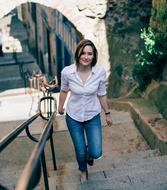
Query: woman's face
{"type": "Point", "coordinates": [86, 57]}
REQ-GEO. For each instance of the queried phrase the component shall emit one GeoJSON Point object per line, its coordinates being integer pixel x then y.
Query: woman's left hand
{"type": "Point", "coordinates": [109, 120]}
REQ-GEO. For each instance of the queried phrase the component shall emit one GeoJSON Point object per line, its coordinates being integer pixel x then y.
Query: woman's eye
{"type": "Point", "coordinates": [87, 53]}
{"type": "Point", "coordinates": [90, 53]}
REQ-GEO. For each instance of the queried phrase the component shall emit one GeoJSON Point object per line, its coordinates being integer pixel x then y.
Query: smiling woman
{"type": "Point", "coordinates": [85, 60]}
{"type": "Point", "coordinates": [87, 56]}
{"type": "Point", "coordinates": [86, 82]}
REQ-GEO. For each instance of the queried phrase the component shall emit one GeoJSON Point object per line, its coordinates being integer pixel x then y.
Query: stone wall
{"type": "Point", "coordinates": [124, 21]}
{"type": "Point", "coordinates": [155, 21]}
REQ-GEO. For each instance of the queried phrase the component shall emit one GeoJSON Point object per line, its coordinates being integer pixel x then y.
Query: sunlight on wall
{"type": "Point", "coordinates": [10, 43]}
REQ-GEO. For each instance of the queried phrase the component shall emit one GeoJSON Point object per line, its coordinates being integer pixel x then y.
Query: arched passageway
{"type": "Point", "coordinates": [86, 16]}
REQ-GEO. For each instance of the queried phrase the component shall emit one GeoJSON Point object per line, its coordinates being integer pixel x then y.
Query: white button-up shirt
{"type": "Point", "coordinates": [83, 103]}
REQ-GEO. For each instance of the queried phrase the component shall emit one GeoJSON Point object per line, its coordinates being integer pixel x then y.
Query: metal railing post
{"type": "Point", "coordinates": [52, 149]}
{"type": "Point", "coordinates": [45, 175]}
{"type": "Point", "coordinates": [50, 106]}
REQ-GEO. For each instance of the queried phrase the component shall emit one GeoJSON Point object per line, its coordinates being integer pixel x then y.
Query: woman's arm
{"type": "Point", "coordinates": [62, 99]}
{"type": "Point", "coordinates": [103, 102]}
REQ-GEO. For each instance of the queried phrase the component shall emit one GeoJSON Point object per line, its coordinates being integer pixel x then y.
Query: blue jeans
{"type": "Point", "coordinates": [87, 139]}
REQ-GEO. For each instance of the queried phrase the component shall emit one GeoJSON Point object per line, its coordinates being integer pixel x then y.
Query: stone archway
{"type": "Point", "coordinates": [85, 15]}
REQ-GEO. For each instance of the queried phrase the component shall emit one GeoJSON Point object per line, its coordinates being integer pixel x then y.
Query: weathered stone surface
{"type": "Point", "coordinates": [93, 9]}
{"type": "Point", "coordinates": [143, 112]}
{"type": "Point", "coordinates": [124, 19]}
{"type": "Point", "coordinates": [143, 174]}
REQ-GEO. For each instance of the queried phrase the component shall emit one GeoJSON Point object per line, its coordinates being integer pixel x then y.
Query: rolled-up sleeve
{"type": "Point", "coordinates": [102, 85]}
{"type": "Point", "coordinates": [64, 81]}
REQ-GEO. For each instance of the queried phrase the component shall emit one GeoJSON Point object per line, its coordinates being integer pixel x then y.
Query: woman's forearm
{"type": "Point", "coordinates": [104, 105]}
{"type": "Point", "coordinates": [62, 99]}
{"type": "Point", "coordinates": [103, 102]}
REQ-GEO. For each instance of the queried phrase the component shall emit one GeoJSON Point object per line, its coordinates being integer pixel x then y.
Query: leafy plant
{"type": "Point", "coordinates": [152, 57]}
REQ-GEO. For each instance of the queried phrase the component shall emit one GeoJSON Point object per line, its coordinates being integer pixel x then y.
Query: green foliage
{"type": "Point", "coordinates": [163, 14]}
{"type": "Point", "coordinates": [140, 75]}
{"type": "Point", "coordinates": [153, 57]}
{"type": "Point", "coordinates": [149, 37]}
{"type": "Point", "coordinates": [119, 70]}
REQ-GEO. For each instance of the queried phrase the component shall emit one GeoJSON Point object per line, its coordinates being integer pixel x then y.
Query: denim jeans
{"type": "Point", "coordinates": [87, 139]}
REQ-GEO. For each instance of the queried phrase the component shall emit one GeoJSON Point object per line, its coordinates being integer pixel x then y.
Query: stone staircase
{"type": "Point", "coordinates": [17, 61]}
{"type": "Point", "coordinates": [127, 164]}
{"type": "Point", "coordinates": [143, 170]}
{"type": "Point", "coordinates": [11, 72]}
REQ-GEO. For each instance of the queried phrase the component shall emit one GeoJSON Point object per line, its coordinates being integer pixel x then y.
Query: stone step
{"type": "Point", "coordinates": [135, 176]}
{"type": "Point", "coordinates": [95, 173]}
{"type": "Point", "coordinates": [14, 70]}
{"type": "Point", "coordinates": [161, 186]}
{"type": "Point", "coordinates": [150, 164]}
{"type": "Point", "coordinates": [11, 83]}
{"type": "Point", "coordinates": [9, 178]}
{"type": "Point", "coordinates": [102, 171]}
{"type": "Point", "coordinates": [121, 162]}
{"type": "Point", "coordinates": [142, 172]}
{"type": "Point", "coordinates": [123, 182]}
{"type": "Point", "coordinates": [9, 71]}
{"type": "Point", "coordinates": [145, 179]}
{"type": "Point", "coordinates": [10, 76]}
{"type": "Point", "coordinates": [8, 59]}
{"type": "Point", "coordinates": [107, 163]}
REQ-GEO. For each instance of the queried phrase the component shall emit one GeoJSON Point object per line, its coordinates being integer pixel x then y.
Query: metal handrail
{"type": "Point", "coordinates": [49, 99]}
{"type": "Point", "coordinates": [32, 168]}
{"type": "Point", "coordinates": [14, 133]}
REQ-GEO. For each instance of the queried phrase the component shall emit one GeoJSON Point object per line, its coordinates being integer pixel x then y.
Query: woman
{"type": "Point", "coordinates": [86, 82]}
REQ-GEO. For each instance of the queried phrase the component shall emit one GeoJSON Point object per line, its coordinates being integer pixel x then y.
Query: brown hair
{"type": "Point", "coordinates": [79, 51]}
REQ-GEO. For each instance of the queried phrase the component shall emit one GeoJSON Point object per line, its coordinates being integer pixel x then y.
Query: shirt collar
{"type": "Point", "coordinates": [74, 69]}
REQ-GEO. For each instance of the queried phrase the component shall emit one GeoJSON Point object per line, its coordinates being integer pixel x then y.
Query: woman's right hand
{"type": "Point", "coordinates": [62, 98]}
{"type": "Point", "coordinates": [109, 120]}
{"type": "Point", "coordinates": [61, 111]}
